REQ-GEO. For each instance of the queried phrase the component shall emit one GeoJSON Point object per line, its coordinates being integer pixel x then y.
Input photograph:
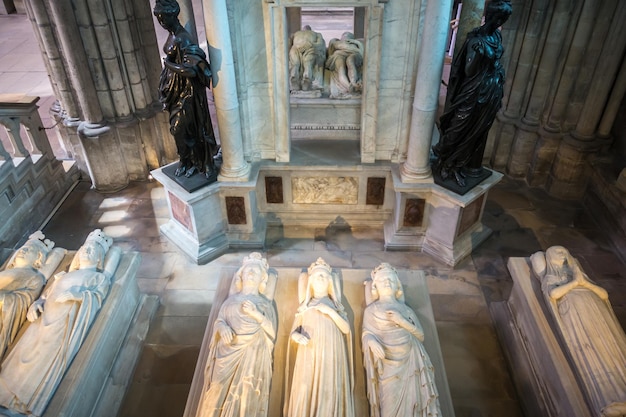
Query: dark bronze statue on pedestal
{"type": "Point", "coordinates": [474, 97]}
{"type": "Point", "coordinates": [182, 90]}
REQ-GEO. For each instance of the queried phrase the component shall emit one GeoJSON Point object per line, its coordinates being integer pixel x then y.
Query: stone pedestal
{"type": "Point", "coordinates": [286, 300]}
{"type": "Point", "coordinates": [437, 221]}
{"type": "Point", "coordinates": [196, 224]}
{"type": "Point", "coordinates": [208, 221]}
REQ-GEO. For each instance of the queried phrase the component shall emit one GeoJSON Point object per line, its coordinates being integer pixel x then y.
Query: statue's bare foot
{"type": "Point", "coordinates": [180, 170]}
{"type": "Point", "coordinates": [210, 171]}
{"type": "Point", "coordinates": [459, 178]}
{"type": "Point", "coordinates": [191, 171]}
{"type": "Point", "coordinates": [443, 171]}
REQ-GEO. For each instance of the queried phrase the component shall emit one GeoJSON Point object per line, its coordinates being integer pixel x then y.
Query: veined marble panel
{"type": "Point", "coordinates": [325, 190]}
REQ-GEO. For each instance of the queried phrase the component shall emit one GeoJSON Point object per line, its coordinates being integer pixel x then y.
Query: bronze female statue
{"type": "Point", "coordinates": [475, 91]}
{"type": "Point", "coordinates": [184, 79]}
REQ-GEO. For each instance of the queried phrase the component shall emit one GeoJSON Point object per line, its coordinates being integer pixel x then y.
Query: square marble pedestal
{"type": "Point", "coordinates": [437, 221]}
{"type": "Point", "coordinates": [196, 224]}
{"type": "Point", "coordinates": [286, 301]}
{"type": "Point", "coordinates": [206, 222]}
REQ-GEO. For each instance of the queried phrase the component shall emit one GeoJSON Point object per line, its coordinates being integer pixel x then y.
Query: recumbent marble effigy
{"type": "Point", "coordinates": [22, 281]}
{"type": "Point", "coordinates": [239, 367]}
{"type": "Point", "coordinates": [314, 365]}
{"type": "Point", "coordinates": [61, 319]}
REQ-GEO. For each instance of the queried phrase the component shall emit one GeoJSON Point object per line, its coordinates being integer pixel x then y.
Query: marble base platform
{"type": "Point", "coordinates": [542, 374]}
{"type": "Point", "coordinates": [286, 300]}
{"type": "Point", "coordinates": [206, 222]}
{"type": "Point", "coordinates": [438, 221]}
{"type": "Point", "coordinates": [196, 224]}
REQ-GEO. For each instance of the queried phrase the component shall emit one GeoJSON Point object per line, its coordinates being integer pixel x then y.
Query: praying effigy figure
{"type": "Point", "coordinates": [400, 375]}
{"type": "Point", "coordinates": [239, 367]}
{"type": "Point", "coordinates": [60, 321]}
{"type": "Point", "coordinates": [321, 381]}
{"type": "Point", "coordinates": [21, 283]}
{"type": "Point", "coordinates": [594, 339]}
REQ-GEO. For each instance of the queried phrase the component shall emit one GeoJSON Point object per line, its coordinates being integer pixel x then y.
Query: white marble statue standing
{"type": "Point", "coordinates": [321, 382]}
{"type": "Point", "coordinates": [239, 367]}
{"type": "Point", "coordinates": [400, 375]}
{"type": "Point", "coordinates": [61, 317]}
{"type": "Point", "coordinates": [21, 283]}
{"type": "Point", "coordinates": [345, 60]}
{"type": "Point", "coordinates": [307, 53]}
{"type": "Point", "coordinates": [585, 319]}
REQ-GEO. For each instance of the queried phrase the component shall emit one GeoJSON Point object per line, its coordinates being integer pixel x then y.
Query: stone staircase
{"type": "Point", "coordinates": [32, 181]}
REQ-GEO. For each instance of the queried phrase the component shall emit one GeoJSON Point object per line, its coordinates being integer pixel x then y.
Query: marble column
{"type": "Point", "coordinates": [527, 133]}
{"type": "Point", "coordinates": [416, 168]}
{"type": "Point", "coordinates": [471, 17]}
{"type": "Point", "coordinates": [187, 18]}
{"type": "Point", "coordinates": [217, 26]}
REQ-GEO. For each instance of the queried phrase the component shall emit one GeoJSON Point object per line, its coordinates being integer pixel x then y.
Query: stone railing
{"type": "Point", "coordinates": [32, 181]}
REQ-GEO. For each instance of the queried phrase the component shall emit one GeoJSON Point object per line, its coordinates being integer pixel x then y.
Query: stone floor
{"type": "Point", "coordinates": [523, 221]}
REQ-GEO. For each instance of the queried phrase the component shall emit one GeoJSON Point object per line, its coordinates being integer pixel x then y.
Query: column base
{"type": "Point", "coordinates": [412, 175]}
{"type": "Point", "coordinates": [234, 175]}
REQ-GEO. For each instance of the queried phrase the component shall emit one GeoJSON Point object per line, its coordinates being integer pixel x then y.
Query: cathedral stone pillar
{"type": "Point", "coordinates": [416, 168]}
{"type": "Point", "coordinates": [613, 105]}
{"type": "Point", "coordinates": [67, 31]}
{"type": "Point", "coordinates": [519, 80]}
{"type": "Point", "coordinates": [104, 66]}
{"type": "Point", "coordinates": [552, 128]}
{"type": "Point", "coordinates": [217, 26]}
{"type": "Point", "coordinates": [569, 169]}
{"type": "Point", "coordinates": [527, 134]}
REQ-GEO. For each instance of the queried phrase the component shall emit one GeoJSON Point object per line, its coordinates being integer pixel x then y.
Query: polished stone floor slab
{"type": "Point", "coordinates": [480, 383]}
